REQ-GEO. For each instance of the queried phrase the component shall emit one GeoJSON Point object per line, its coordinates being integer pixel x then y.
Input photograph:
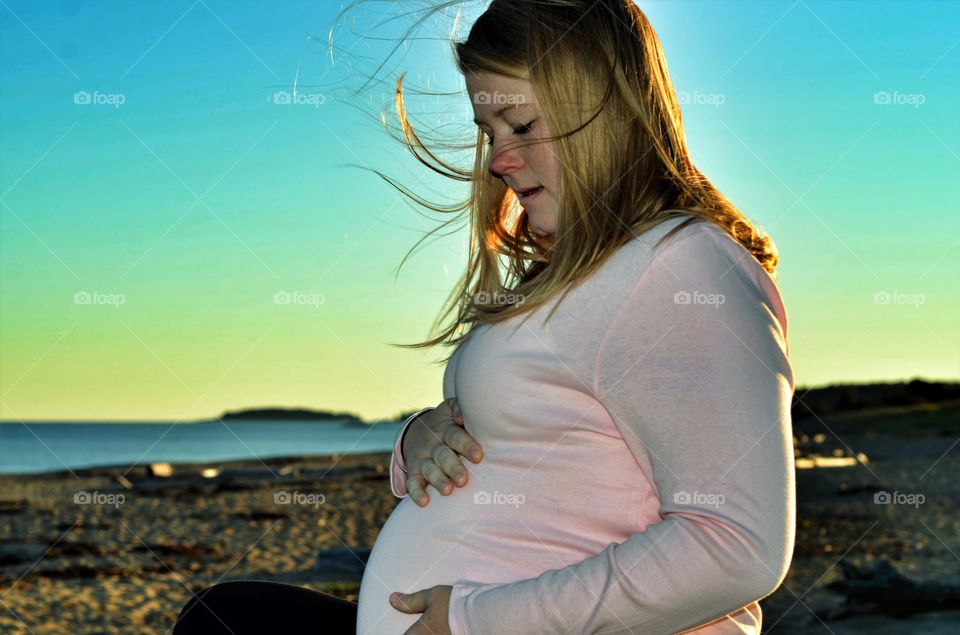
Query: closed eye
{"type": "Point", "coordinates": [521, 130]}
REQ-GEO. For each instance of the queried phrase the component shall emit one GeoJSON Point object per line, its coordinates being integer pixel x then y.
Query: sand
{"type": "Point", "coordinates": [127, 565]}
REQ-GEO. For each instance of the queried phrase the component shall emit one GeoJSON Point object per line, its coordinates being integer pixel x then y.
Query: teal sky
{"type": "Point", "coordinates": [194, 202]}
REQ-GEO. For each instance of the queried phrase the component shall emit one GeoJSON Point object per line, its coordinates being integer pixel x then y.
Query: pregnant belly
{"type": "Point", "coordinates": [490, 531]}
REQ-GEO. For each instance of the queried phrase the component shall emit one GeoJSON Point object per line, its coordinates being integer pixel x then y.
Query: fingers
{"type": "Point", "coordinates": [416, 485]}
{"type": "Point", "coordinates": [461, 441]}
{"type": "Point", "coordinates": [450, 464]}
{"type": "Point", "coordinates": [410, 602]}
{"type": "Point", "coordinates": [435, 476]}
{"type": "Point", "coordinates": [454, 408]}
{"type": "Point", "coordinates": [442, 467]}
{"type": "Point", "coordinates": [452, 405]}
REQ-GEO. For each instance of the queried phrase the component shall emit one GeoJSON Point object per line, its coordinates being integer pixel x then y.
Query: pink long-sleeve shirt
{"type": "Point", "coordinates": [638, 470]}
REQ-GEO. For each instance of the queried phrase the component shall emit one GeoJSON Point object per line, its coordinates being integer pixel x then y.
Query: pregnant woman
{"type": "Point", "coordinates": [628, 383]}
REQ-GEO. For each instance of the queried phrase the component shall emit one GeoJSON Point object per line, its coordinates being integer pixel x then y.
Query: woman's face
{"type": "Point", "coordinates": [506, 110]}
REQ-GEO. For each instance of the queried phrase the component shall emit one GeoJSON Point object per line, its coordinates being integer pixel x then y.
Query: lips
{"type": "Point", "coordinates": [531, 190]}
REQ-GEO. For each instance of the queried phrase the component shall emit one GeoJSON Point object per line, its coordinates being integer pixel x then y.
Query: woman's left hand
{"type": "Point", "coordinates": [433, 603]}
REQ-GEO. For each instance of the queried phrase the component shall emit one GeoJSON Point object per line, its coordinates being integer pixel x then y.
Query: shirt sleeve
{"type": "Point", "coordinates": [398, 466]}
{"type": "Point", "coordinates": [694, 371]}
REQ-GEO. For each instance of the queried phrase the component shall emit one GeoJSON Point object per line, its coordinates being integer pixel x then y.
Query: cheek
{"type": "Point", "coordinates": [544, 164]}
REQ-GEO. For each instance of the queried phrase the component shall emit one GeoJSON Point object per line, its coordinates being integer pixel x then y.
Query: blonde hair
{"type": "Point", "coordinates": [600, 77]}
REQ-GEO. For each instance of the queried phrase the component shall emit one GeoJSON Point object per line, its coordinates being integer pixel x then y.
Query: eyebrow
{"type": "Point", "coordinates": [501, 111]}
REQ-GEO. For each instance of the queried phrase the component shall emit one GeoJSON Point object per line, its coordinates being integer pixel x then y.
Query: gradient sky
{"type": "Point", "coordinates": [198, 199]}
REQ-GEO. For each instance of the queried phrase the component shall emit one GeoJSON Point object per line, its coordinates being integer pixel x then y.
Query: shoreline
{"type": "Point", "coordinates": [193, 466]}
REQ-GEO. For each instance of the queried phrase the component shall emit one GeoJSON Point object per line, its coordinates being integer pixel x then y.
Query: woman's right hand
{"type": "Point", "coordinates": [432, 447]}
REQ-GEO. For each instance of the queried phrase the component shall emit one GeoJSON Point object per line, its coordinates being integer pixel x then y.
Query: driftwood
{"type": "Point", "coordinates": [883, 590]}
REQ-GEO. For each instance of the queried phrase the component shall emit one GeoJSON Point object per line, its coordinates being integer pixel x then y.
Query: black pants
{"type": "Point", "coordinates": [249, 607]}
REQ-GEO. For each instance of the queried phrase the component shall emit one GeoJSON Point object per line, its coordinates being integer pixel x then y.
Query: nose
{"type": "Point", "coordinates": [505, 162]}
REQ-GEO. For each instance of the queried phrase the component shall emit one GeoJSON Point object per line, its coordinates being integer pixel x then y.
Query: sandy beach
{"type": "Point", "coordinates": [97, 552]}
{"type": "Point", "coordinates": [128, 559]}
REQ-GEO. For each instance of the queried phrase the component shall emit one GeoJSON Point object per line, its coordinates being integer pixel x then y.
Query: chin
{"type": "Point", "coordinates": [543, 237]}
{"type": "Point", "coordinates": [539, 230]}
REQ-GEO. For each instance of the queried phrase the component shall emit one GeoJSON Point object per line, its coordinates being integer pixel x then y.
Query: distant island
{"type": "Point", "coordinates": [301, 414]}
{"type": "Point", "coordinates": [289, 414]}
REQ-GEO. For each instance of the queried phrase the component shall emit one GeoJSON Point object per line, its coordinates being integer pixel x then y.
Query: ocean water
{"type": "Point", "coordinates": [43, 447]}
